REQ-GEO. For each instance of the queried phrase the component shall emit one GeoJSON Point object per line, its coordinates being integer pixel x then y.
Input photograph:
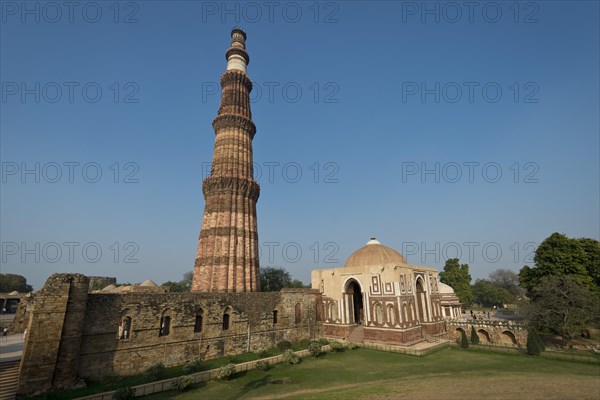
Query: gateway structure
{"type": "Point", "coordinates": [384, 298]}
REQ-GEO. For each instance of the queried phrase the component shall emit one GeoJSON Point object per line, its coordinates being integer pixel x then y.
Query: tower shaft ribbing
{"type": "Point", "coordinates": [227, 255]}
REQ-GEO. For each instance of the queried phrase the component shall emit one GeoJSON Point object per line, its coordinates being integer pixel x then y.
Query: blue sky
{"type": "Point", "coordinates": [476, 135]}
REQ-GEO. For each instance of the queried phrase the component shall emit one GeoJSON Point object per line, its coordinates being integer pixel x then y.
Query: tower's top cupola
{"type": "Point", "coordinates": [237, 57]}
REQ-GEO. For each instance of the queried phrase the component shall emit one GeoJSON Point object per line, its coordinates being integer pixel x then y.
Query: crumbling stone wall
{"type": "Point", "coordinates": [251, 327]}
{"type": "Point", "coordinates": [55, 330]}
{"type": "Point", "coordinates": [22, 314]}
{"type": "Point", "coordinates": [498, 332]}
{"type": "Point", "coordinates": [75, 334]}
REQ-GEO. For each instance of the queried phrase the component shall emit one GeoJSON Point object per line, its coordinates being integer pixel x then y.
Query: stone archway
{"type": "Point", "coordinates": [421, 304]}
{"type": "Point", "coordinates": [484, 336]}
{"type": "Point", "coordinates": [459, 332]}
{"type": "Point", "coordinates": [507, 337]}
{"type": "Point", "coordinates": [354, 291]}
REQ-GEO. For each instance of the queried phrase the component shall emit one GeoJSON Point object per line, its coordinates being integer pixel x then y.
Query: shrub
{"type": "Point", "coordinates": [263, 365]}
{"type": "Point", "coordinates": [183, 383]}
{"type": "Point", "coordinates": [112, 381]}
{"type": "Point", "coordinates": [226, 372]}
{"type": "Point", "coordinates": [314, 349]}
{"type": "Point", "coordinates": [290, 357]}
{"type": "Point", "coordinates": [192, 366]}
{"type": "Point", "coordinates": [352, 346]}
{"type": "Point", "coordinates": [464, 342]}
{"type": "Point", "coordinates": [534, 343]}
{"type": "Point", "coordinates": [474, 336]}
{"type": "Point", "coordinates": [233, 360]}
{"type": "Point", "coordinates": [337, 346]}
{"type": "Point", "coordinates": [263, 354]}
{"type": "Point", "coordinates": [284, 345]}
{"type": "Point", "coordinates": [124, 393]}
{"type": "Point", "coordinates": [323, 341]}
{"type": "Point", "coordinates": [155, 372]}
{"type": "Point", "coordinates": [301, 345]}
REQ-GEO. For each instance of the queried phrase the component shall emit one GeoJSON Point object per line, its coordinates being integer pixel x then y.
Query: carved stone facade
{"type": "Point", "coordinates": [394, 302]}
{"type": "Point", "coordinates": [227, 255]}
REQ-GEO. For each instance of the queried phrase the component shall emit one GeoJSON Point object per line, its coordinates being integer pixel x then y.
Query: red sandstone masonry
{"type": "Point", "coordinates": [227, 255]}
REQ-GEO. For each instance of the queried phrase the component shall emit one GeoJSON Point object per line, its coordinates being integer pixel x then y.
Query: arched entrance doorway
{"type": "Point", "coordinates": [421, 305]}
{"type": "Point", "coordinates": [354, 292]}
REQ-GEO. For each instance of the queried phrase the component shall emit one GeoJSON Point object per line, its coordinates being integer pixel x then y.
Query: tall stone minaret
{"type": "Point", "coordinates": [227, 255]}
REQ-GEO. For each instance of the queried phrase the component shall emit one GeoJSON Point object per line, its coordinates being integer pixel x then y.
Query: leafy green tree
{"type": "Point", "coordinates": [488, 294]}
{"type": "Point", "coordinates": [457, 276]}
{"type": "Point", "coordinates": [296, 283]}
{"type": "Point", "coordinates": [592, 249]}
{"type": "Point", "coordinates": [559, 255]}
{"type": "Point", "coordinates": [562, 305]}
{"type": "Point", "coordinates": [474, 336]}
{"type": "Point", "coordinates": [12, 282]}
{"type": "Point", "coordinates": [184, 285]}
{"type": "Point", "coordinates": [274, 279]}
{"type": "Point", "coordinates": [506, 279]}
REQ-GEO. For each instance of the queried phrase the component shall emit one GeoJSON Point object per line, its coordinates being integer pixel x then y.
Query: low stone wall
{"type": "Point", "coordinates": [405, 350]}
{"type": "Point", "coordinates": [405, 337]}
{"type": "Point", "coordinates": [489, 331]}
{"type": "Point", "coordinates": [167, 384]}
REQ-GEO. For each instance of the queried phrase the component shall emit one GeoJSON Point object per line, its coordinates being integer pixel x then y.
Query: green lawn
{"type": "Point", "coordinates": [172, 372]}
{"type": "Point", "coordinates": [370, 374]}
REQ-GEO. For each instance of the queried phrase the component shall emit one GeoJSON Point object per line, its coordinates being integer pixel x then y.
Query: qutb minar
{"type": "Point", "coordinates": [227, 255]}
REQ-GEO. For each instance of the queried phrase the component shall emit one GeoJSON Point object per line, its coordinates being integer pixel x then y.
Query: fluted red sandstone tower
{"type": "Point", "coordinates": [227, 255]}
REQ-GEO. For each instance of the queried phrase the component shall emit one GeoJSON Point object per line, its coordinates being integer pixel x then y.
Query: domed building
{"type": "Point", "coordinates": [381, 297]}
{"type": "Point", "coordinates": [450, 304]}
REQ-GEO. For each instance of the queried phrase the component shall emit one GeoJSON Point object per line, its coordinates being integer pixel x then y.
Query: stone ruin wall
{"type": "Point", "coordinates": [21, 319]}
{"type": "Point", "coordinates": [498, 332]}
{"type": "Point", "coordinates": [251, 328]}
{"type": "Point", "coordinates": [75, 334]}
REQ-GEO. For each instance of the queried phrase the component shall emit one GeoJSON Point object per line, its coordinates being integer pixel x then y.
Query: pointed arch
{"type": "Point", "coordinates": [353, 291]}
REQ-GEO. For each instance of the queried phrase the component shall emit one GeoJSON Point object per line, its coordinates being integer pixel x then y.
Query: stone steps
{"type": "Point", "coordinates": [357, 335]}
{"type": "Point", "coordinates": [9, 377]}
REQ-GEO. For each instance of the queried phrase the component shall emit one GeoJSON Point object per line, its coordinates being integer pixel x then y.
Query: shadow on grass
{"type": "Point", "coordinates": [250, 386]}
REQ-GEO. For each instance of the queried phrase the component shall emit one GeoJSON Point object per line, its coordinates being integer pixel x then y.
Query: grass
{"type": "Point", "coordinates": [370, 374]}
{"type": "Point", "coordinates": [172, 372]}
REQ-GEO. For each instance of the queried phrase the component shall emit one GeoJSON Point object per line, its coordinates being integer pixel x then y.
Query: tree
{"type": "Point", "coordinates": [506, 279]}
{"type": "Point", "coordinates": [562, 305]}
{"type": "Point", "coordinates": [296, 283]}
{"type": "Point", "coordinates": [474, 336]}
{"type": "Point", "coordinates": [534, 343]}
{"type": "Point", "coordinates": [12, 282]}
{"type": "Point", "coordinates": [592, 249]}
{"type": "Point", "coordinates": [488, 294]}
{"type": "Point", "coordinates": [464, 342]}
{"type": "Point", "coordinates": [184, 285]}
{"type": "Point", "coordinates": [559, 255]}
{"type": "Point", "coordinates": [457, 276]}
{"type": "Point", "coordinates": [274, 279]}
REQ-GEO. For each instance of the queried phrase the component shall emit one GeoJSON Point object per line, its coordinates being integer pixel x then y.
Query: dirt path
{"type": "Point", "coordinates": [445, 386]}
